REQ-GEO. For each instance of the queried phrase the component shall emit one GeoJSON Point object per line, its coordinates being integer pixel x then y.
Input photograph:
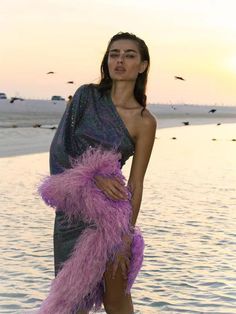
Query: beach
{"type": "Point", "coordinates": [187, 216]}
{"type": "Point", "coordinates": [42, 116]}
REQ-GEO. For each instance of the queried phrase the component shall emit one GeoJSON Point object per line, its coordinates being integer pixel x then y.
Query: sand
{"type": "Point", "coordinates": [42, 117]}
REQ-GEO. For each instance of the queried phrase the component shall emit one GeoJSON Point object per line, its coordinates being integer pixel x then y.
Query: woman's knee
{"type": "Point", "coordinates": [119, 305]}
{"type": "Point", "coordinates": [115, 300]}
{"type": "Point", "coordinates": [110, 308]}
{"type": "Point", "coordinates": [113, 309]}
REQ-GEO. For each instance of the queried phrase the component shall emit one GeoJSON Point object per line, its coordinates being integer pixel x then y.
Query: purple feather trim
{"type": "Point", "coordinates": [75, 192]}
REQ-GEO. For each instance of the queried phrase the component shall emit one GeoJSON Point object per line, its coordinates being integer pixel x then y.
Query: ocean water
{"type": "Point", "coordinates": [188, 218]}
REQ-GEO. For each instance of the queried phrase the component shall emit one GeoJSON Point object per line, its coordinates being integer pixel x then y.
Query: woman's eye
{"type": "Point", "coordinates": [114, 55]}
{"type": "Point", "coordinates": [130, 56]}
{"type": "Point", "coordinates": [117, 55]}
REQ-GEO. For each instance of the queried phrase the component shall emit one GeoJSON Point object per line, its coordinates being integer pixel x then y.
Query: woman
{"type": "Point", "coordinates": [111, 115]}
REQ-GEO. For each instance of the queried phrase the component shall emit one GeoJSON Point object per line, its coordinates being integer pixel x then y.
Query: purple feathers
{"type": "Point", "coordinates": [79, 284]}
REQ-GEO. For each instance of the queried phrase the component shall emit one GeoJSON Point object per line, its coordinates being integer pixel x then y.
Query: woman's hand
{"type": "Point", "coordinates": [111, 187]}
{"type": "Point", "coordinates": [122, 258]}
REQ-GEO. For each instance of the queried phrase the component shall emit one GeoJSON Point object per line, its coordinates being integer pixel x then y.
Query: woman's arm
{"type": "Point", "coordinates": [113, 187]}
{"type": "Point", "coordinates": [143, 148]}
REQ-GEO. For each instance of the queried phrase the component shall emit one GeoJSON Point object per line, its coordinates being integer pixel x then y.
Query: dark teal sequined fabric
{"type": "Point", "coordinates": [90, 120]}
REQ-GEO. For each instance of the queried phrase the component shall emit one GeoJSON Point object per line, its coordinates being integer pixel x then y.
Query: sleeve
{"type": "Point", "coordinates": [63, 144]}
{"type": "Point", "coordinates": [73, 114]}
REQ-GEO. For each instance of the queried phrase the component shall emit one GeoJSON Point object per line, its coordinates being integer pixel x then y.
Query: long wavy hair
{"type": "Point", "coordinates": [105, 83]}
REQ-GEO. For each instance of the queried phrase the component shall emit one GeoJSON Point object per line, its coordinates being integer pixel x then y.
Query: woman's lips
{"type": "Point", "coordinates": [120, 69]}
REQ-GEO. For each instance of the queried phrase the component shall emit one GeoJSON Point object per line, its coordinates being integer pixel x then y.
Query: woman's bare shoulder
{"type": "Point", "coordinates": [148, 120]}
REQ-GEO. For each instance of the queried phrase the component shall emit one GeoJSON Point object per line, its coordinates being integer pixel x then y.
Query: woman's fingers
{"type": "Point", "coordinates": [112, 187]}
{"type": "Point", "coordinates": [112, 195]}
{"type": "Point", "coordinates": [114, 268]}
{"type": "Point", "coordinates": [124, 263]}
{"type": "Point", "coordinates": [124, 270]}
{"type": "Point", "coordinates": [120, 188]}
{"type": "Point", "coordinates": [118, 193]}
{"type": "Point", "coordinates": [114, 192]}
{"type": "Point", "coordinates": [125, 267]}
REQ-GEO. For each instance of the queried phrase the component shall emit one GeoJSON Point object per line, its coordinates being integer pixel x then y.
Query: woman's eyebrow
{"type": "Point", "coordinates": [127, 50]}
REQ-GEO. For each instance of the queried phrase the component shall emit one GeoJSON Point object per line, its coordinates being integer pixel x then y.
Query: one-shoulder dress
{"type": "Point", "coordinates": [90, 120]}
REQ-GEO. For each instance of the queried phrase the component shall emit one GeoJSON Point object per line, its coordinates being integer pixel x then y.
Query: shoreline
{"type": "Point", "coordinates": [163, 121]}
{"type": "Point", "coordinates": [29, 113]}
{"type": "Point", "coordinates": [25, 141]}
{"type": "Point", "coordinates": [27, 127]}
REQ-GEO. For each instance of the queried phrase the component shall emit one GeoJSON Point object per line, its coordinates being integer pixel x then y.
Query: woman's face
{"type": "Point", "coordinates": [124, 60]}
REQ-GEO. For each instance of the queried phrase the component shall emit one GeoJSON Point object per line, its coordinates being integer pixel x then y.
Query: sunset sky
{"type": "Point", "coordinates": [195, 39]}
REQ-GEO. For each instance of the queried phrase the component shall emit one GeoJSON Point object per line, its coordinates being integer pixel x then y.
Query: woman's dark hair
{"type": "Point", "coordinates": [141, 81]}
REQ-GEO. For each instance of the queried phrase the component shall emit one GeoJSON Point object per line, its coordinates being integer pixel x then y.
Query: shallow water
{"type": "Point", "coordinates": [188, 219]}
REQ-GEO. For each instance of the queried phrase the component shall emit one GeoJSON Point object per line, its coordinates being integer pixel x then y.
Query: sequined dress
{"type": "Point", "coordinates": [90, 120]}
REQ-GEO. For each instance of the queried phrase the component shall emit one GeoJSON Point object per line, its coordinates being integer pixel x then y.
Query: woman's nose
{"type": "Point", "coordinates": [120, 58]}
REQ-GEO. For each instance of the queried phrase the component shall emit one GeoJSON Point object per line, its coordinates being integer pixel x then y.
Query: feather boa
{"type": "Point", "coordinates": [74, 191]}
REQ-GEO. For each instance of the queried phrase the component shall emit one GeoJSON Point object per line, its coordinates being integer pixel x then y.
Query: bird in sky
{"type": "Point", "coordinates": [212, 111]}
{"type": "Point", "coordinates": [70, 82]}
{"type": "Point", "coordinates": [50, 72]}
{"type": "Point", "coordinates": [15, 98]}
{"type": "Point", "coordinates": [179, 78]}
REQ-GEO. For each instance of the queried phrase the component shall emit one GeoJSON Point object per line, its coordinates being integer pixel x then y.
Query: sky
{"type": "Point", "coordinates": [195, 39]}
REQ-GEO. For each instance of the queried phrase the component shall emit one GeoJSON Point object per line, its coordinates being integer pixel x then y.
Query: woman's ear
{"type": "Point", "coordinates": [143, 66]}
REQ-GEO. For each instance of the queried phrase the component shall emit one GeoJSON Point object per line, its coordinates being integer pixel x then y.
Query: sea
{"type": "Point", "coordinates": [188, 219]}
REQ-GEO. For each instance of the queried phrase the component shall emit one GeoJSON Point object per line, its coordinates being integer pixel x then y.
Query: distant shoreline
{"type": "Point", "coordinates": [27, 127]}
{"type": "Point", "coordinates": [29, 113]}
{"type": "Point", "coordinates": [162, 122]}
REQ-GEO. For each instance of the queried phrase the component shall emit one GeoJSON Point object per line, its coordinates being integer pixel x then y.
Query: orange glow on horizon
{"type": "Point", "coordinates": [193, 39]}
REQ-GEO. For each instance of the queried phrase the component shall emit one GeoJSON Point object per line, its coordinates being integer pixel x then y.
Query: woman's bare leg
{"type": "Point", "coordinates": [115, 300]}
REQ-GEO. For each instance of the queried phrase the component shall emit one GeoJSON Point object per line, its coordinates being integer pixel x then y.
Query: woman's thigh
{"type": "Point", "coordinates": [114, 294]}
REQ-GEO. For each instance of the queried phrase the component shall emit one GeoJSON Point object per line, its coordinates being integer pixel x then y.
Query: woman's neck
{"type": "Point", "coordinates": [122, 93]}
